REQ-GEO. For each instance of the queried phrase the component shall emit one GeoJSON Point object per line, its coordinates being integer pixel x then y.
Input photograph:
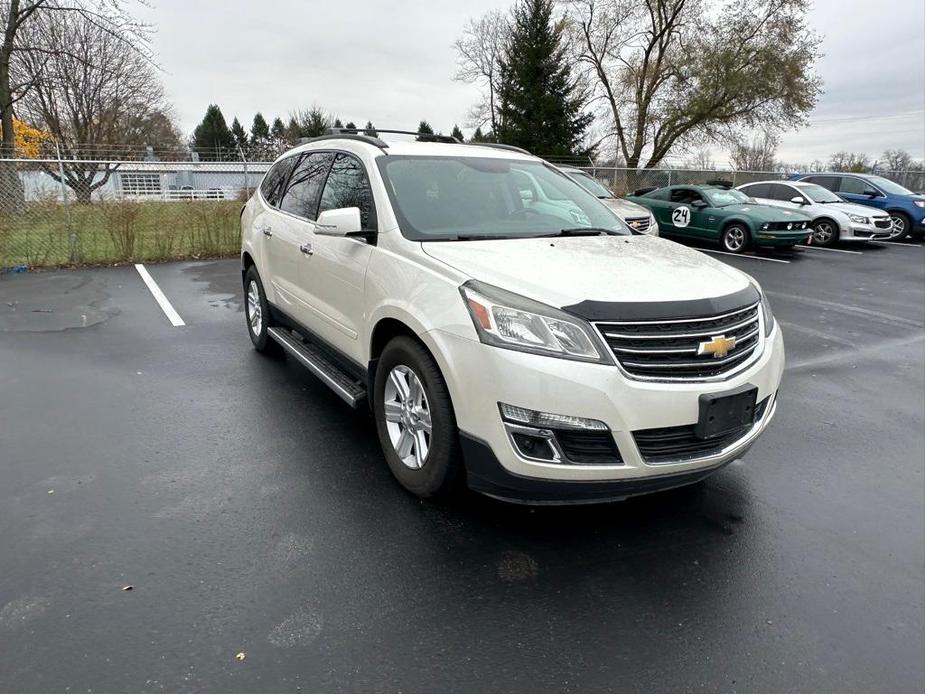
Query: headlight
{"type": "Point", "coordinates": [857, 219]}
{"type": "Point", "coordinates": [766, 313]}
{"type": "Point", "coordinates": [508, 320]}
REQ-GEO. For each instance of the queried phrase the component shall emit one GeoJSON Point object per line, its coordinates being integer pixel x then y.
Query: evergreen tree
{"type": "Point", "coordinates": [337, 123]}
{"type": "Point", "coordinates": [457, 133]}
{"type": "Point", "coordinates": [370, 130]}
{"type": "Point", "coordinates": [424, 128]}
{"type": "Point", "coordinates": [351, 125]}
{"type": "Point", "coordinates": [278, 131]}
{"type": "Point", "coordinates": [541, 107]}
{"type": "Point", "coordinates": [239, 133]}
{"type": "Point", "coordinates": [259, 128]}
{"type": "Point", "coordinates": [477, 136]}
{"type": "Point", "coordinates": [212, 138]}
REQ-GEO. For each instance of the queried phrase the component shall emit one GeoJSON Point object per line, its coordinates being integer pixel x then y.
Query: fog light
{"type": "Point", "coordinates": [534, 418]}
{"type": "Point", "coordinates": [538, 447]}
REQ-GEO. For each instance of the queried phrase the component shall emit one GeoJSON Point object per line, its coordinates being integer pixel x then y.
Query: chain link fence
{"type": "Point", "coordinates": [104, 211]}
{"type": "Point", "coordinates": [70, 212]}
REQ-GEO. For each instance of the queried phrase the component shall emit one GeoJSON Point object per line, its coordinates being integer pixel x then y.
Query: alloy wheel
{"type": "Point", "coordinates": [899, 226]}
{"type": "Point", "coordinates": [407, 416]}
{"type": "Point", "coordinates": [823, 233]}
{"type": "Point", "coordinates": [735, 239]}
{"type": "Point", "coordinates": [254, 311]}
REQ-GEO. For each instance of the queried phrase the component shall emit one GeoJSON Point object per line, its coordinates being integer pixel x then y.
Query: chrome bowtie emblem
{"type": "Point", "coordinates": [719, 346]}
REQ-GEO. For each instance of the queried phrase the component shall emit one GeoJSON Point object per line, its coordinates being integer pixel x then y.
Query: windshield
{"type": "Point", "coordinates": [468, 198]}
{"type": "Point", "coordinates": [721, 198]}
{"type": "Point", "coordinates": [590, 184]}
{"type": "Point", "coordinates": [818, 193]}
{"type": "Point", "coordinates": [887, 186]}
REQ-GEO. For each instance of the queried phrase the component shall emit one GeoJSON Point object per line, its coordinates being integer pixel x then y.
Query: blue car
{"type": "Point", "coordinates": [906, 209]}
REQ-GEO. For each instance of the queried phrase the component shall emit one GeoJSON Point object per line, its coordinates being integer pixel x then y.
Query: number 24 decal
{"type": "Point", "coordinates": [681, 216]}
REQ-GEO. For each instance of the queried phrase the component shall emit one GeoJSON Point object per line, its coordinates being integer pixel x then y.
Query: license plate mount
{"type": "Point", "coordinates": [723, 413]}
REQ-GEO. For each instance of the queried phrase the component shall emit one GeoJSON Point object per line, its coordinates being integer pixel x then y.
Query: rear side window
{"type": "Point", "coordinates": [348, 186]}
{"type": "Point", "coordinates": [778, 191]}
{"type": "Point", "coordinates": [758, 190]}
{"type": "Point", "coordinates": [304, 190]}
{"type": "Point", "coordinates": [275, 181]}
{"type": "Point", "coordinates": [830, 182]}
{"type": "Point", "coordinates": [685, 196]}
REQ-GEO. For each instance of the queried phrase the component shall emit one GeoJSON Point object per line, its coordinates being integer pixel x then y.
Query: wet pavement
{"type": "Point", "coordinates": [252, 513]}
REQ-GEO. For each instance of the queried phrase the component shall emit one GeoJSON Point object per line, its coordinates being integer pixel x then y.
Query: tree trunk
{"type": "Point", "coordinates": [12, 194]}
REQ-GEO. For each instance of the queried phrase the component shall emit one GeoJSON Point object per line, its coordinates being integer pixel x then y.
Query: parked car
{"type": "Point", "coordinates": [906, 209]}
{"type": "Point", "coordinates": [539, 354]}
{"type": "Point", "coordinates": [833, 219]}
{"type": "Point", "coordinates": [637, 217]}
{"type": "Point", "coordinates": [723, 214]}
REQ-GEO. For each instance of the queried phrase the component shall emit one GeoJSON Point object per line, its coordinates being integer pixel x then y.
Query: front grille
{"type": "Point", "coordinates": [588, 447]}
{"type": "Point", "coordinates": [668, 350]}
{"type": "Point", "coordinates": [640, 224]}
{"type": "Point", "coordinates": [883, 223]}
{"type": "Point", "coordinates": [677, 443]}
{"type": "Point", "coordinates": [786, 226]}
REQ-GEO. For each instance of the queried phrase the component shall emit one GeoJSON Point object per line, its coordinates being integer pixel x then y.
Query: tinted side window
{"type": "Point", "coordinates": [830, 182]}
{"type": "Point", "coordinates": [685, 196]}
{"type": "Point", "coordinates": [849, 184]}
{"type": "Point", "coordinates": [781, 192]}
{"type": "Point", "coordinates": [660, 194]}
{"type": "Point", "coordinates": [759, 190]}
{"type": "Point", "coordinates": [301, 198]}
{"type": "Point", "coordinates": [348, 186]}
{"type": "Point", "coordinates": [274, 182]}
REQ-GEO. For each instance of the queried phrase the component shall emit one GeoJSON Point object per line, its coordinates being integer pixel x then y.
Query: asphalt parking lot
{"type": "Point", "coordinates": [252, 514]}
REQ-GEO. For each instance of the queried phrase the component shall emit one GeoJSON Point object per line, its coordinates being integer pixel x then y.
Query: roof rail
{"type": "Point", "coordinates": [499, 145]}
{"type": "Point", "coordinates": [424, 137]}
{"type": "Point", "coordinates": [345, 134]}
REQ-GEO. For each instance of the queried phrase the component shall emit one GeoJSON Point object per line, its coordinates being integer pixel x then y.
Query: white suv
{"type": "Point", "coordinates": [535, 352]}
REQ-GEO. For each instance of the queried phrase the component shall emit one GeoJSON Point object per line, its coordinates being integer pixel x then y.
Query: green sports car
{"type": "Point", "coordinates": [726, 215]}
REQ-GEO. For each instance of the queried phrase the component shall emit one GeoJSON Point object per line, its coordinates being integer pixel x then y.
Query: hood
{"type": "Point", "coordinates": [625, 208]}
{"type": "Point", "coordinates": [766, 213]}
{"type": "Point", "coordinates": [851, 208]}
{"type": "Point", "coordinates": [567, 271]}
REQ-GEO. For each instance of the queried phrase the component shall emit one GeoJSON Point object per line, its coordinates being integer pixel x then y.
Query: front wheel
{"type": "Point", "coordinates": [825, 233]}
{"type": "Point", "coordinates": [734, 238]}
{"type": "Point", "coordinates": [415, 420]}
{"type": "Point", "coordinates": [902, 226]}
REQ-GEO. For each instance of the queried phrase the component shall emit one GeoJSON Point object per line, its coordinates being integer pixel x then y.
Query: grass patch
{"type": "Point", "coordinates": [48, 234]}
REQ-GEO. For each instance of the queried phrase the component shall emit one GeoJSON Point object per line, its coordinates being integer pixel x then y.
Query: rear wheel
{"type": "Point", "coordinates": [415, 420]}
{"type": "Point", "coordinates": [257, 314]}
{"type": "Point", "coordinates": [902, 226]}
{"type": "Point", "coordinates": [734, 238]}
{"type": "Point", "coordinates": [825, 233]}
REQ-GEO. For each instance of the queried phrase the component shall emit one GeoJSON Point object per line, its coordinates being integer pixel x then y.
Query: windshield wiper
{"type": "Point", "coordinates": [582, 231]}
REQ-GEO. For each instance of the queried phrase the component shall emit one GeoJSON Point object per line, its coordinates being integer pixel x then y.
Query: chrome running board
{"type": "Point", "coordinates": [315, 360]}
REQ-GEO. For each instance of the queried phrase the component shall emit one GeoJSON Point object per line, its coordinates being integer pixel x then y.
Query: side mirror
{"type": "Point", "coordinates": [797, 200]}
{"type": "Point", "coordinates": [871, 193]}
{"type": "Point", "coordinates": [340, 222]}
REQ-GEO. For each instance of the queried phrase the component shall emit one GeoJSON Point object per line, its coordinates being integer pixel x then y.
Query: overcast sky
{"type": "Point", "coordinates": [393, 62]}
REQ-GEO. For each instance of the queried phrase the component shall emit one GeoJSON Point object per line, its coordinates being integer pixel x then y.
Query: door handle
{"type": "Point", "coordinates": [267, 231]}
{"type": "Point", "coordinates": [306, 248]}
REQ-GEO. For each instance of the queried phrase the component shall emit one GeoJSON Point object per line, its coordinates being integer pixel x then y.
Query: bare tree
{"type": "Point", "coordinates": [758, 154]}
{"type": "Point", "coordinates": [17, 48]}
{"type": "Point", "coordinates": [478, 59]}
{"type": "Point", "coordinates": [91, 93]}
{"type": "Point", "coordinates": [896, 160]}
{"type": "Point", "coordinates": [674, 72]}
{"type": "Point", "coordinates": [855, 162]}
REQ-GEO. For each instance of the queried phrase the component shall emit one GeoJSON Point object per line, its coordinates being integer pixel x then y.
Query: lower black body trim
{"type": "Point", "coordinates": [486, 475]}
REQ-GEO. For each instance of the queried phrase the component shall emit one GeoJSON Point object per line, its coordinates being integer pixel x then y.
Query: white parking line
{"type": "Point", "coordinates": [159, 297]}
{"type": "Point", "coordinates": [899, 243]}
{"type": "Point", "coordinates": [741, 255]}
{"type": "Point", "coordinates": [831, 250]}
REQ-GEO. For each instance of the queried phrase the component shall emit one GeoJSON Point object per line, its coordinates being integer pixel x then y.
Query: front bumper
{"type": "Point", "coordinates": [479, 377]}
{"type": "Point", "coordinates": [863, 232]}
{"type": "Point", "coordinates": [782, 238]}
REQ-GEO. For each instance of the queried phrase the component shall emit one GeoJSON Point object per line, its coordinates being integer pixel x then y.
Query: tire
{"type": "Point", "coordinates": [735, 238]}
{"type": "Point", "coordinates": [825, 233]}
{"type": "Point", "coordinates": [257, 314]}
{"type": "Point", "coordinates": [434, 468]}
{"type": "Point", "coordinates": [902, 226]}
